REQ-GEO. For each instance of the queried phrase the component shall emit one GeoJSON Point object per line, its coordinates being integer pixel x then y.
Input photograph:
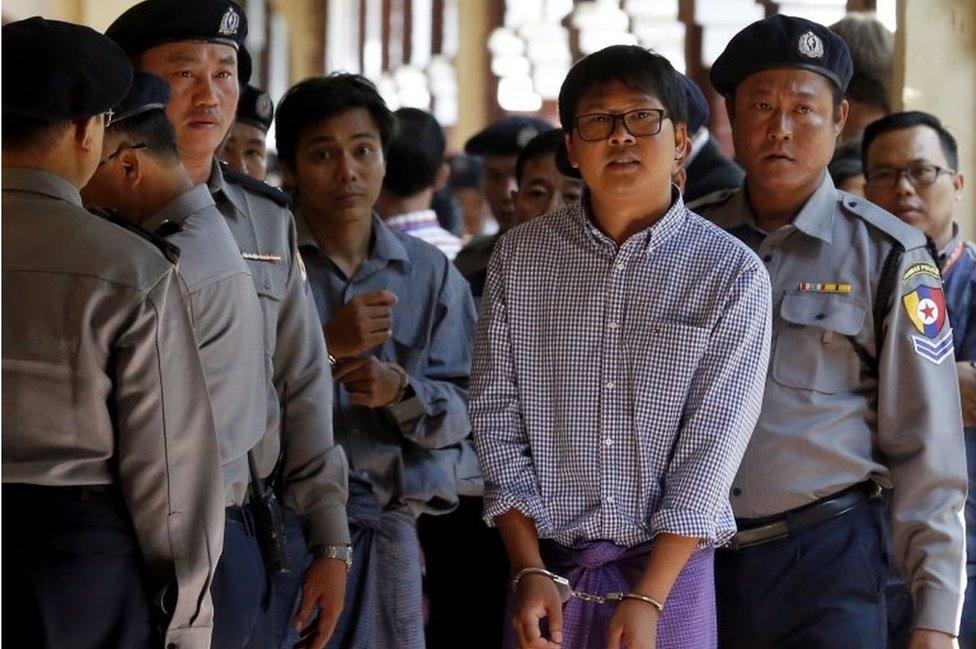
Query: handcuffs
{"type": "Point", "coordinates": [567, 593]}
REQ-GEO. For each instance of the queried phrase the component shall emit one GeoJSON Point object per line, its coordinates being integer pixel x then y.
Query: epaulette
{"type": "Point", "coordinates": [710, 200]}
{"type": "Point", "coordinates": [171, 252]}
{"type": "Point", "coordinates": [264, 189]}
{"type": "Point", "coordinates": [909, 237]}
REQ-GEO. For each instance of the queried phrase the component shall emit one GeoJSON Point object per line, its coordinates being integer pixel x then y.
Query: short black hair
{"type": "Point", "coordinates": [318, 98]}
{"type": "Point", "coordinates": [846, 162]}
{"type": "Point", "coordinates": [21, 132]}
{"type": "Point", "coordinates": [910, 119]}
{"type": "Point", "coordinates": [547, 143]}
{"type": "Point", "coordinates": [868, 89]}
{"type": "Point", "coordinates": [151, 128]}
{"type": "Point", "coordinates": [415, 154]}
{"type": "Point", "coordinates": [636, 68]}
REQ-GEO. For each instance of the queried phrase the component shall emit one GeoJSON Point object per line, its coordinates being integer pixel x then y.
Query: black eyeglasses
{"type": "Point", "coordinates": [918, 174]}
{"type": "Point", "coordinates": [642, 122]}
{"type": "Point", "coordinates": [124, 147]}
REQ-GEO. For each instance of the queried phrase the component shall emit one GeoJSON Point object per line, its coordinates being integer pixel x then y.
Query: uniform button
{"type": "Point", "coordinates": [267, 285]}
{"type": "Point", "coordinates": [608, 441]}
{"type": "Point", "coordinates": [736, 491]}
{"type": "Point", "coordinates": [610, 385]}
{"type": "Point", "coordinates": [767, 258]}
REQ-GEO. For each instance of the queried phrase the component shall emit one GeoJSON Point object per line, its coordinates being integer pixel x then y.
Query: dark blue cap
{"type": "Point", "coordinates": [697, 104]}
{"type": "Point", "coordinates": [465, 172]}
{"type": "Point", "coordinates": [255, 108]}
{"type": "Point", "coordinates": [782, 42]}
{"type": "Point", "coordinates": [59, 71]}
{"type": "Point", "coordinates": [148, 92]}
{"type": "Point", "coordinates": [157, 22]}
{"type": "Point", "coordinates": [507, 136]}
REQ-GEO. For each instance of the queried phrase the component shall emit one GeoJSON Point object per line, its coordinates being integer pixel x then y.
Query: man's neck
{"type": "Point", "coordinates": [389, 205]}
{"type": "Point", "coordinates": [619, 219]}
{"type": "Point", "coordinates": [53, 162]}
{"type": "Point", "coordinates": [773, 209]}
{"type": "Point", "coordinates": [944, 238]}
{"type": "Point", "coordinates": [164, 190]}
{"type": "Point", "coordinates": [198, 168]}
{"type": "Point", "coordinates": [345, 242]}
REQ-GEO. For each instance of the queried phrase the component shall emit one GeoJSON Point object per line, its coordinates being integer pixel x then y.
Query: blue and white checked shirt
{"type": "Point", "coordinates": [615, 388]}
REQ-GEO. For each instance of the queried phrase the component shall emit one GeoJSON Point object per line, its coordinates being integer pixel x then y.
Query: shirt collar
{"type": "Point", "coordinates": [181, 207]}
{"type": "Point", "coordinates": [413, 220]}
{"type": "Point", "coordinates": [953, 242]}
{"type": "Point", "coordinates": [815, 218]}
{"type": "Point", "coordinates": [651, 237]}
{"type": "Point", "coordinates": [384, 248]}
{"type": "Point", "coordinates": [38, 181]}
{"type": "Point", "coordinates": [217, 185]}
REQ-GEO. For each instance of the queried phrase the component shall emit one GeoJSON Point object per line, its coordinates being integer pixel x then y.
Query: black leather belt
{"type": "Point", "coordinates": [757, 531]}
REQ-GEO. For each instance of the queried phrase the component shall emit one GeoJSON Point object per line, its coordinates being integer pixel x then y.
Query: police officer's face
{"type": "Point", "coordinates": [245, 149]}
{"type": "Point", "coordinates": [499, 183]}
{"type": "Point", "coordinates": [204, 91]}
{"type": "Point", "coordinates": [339, 167]}
{"type": "Point", "coordinates": [544, 189]}
{"type": "Point", "coordinates": [913, 151]}
{"type": "Point", "coordinates": [784, 128]}
{"type": "Point", "coordinates": [622, 165]}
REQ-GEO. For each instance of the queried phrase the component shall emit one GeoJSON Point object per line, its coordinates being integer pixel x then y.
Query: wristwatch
{"type": "Point", "coordinates": [341, 552]}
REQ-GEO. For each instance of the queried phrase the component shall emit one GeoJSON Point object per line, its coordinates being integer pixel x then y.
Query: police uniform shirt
{"type": "Point", "coordinates": [828, 421]}
{"type": "Point", "coordinates": [229, 328]}
{"type": "Point", "coordinates": [102, 384]}
{"type": "Point", "coordinates": [299, 427]}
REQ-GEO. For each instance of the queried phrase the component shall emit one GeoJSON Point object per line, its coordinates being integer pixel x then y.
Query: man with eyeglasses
{"type": "Point", "coordinates": [112, 504]}
{"type": "Point", "coordinates": [862, 390]}
{"type": "Point", "coordinates": [911, 162]}
{"type": "Point", "coordinates": [614, 393]}
{"type": "Point", "coordinates": [142, 179]}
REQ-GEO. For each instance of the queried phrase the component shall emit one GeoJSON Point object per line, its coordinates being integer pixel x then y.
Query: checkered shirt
{"type": "Point", "coordinates": [615, 388]}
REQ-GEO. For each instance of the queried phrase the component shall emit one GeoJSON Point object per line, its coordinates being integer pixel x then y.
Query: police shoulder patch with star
{"type": "Point", "coordinates": [924, 302]}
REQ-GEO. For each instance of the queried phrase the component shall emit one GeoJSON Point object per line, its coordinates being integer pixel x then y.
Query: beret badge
{"type": "Point", "coordinates": [811, 46]}
{"type": "Point", "coordinates": [230, 23]}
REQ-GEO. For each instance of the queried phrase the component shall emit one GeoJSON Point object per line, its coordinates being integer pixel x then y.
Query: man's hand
{"type": "Point", "coordinates": [634, 626]}
{"type": "Point", "coordinates": [362, 323]}
{"type": "Point", "coordinates": [324, 590]}
{"type": "Point", "coordinates": [538, 598]}
{"type": "Point", "coordinates": [370, 382]}
{"type": "Point", "coordinates": [928, 639]}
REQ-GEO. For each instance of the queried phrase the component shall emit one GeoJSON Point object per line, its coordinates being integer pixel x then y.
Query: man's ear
{"type": "Point", "coordinates": [958, 183]}
{"type": "Point", "coordinates": [570, 153]}
{"type": "Point", "coordinates": [443, 175]}
{"type": "Point", "coordinates": [133, 167]}
{"type": "Point", "coordinates": [840, 116]}
{"type": "Point", "coordinates": [682, 144]}
{"type": "Point", "coordinates": [287, 174]}
{"type": "Point", "coordinates": [514, 194]}
{"type": "Point", "coordinates": [86, 131]}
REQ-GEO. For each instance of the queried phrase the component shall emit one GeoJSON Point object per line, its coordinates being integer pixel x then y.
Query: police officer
{"type": "Point", "coordinates": [201, 54]}
{"type": "Point", "coordinates": [862, 388]}
{"type": "Point", "coordinates": [113, 513]}
{"type": "Point", "coordinates": [142, 178]}
{"type": "Point", "coordinates": [498, 146]}
{"type": "Point", "coordinates": [245, 148]}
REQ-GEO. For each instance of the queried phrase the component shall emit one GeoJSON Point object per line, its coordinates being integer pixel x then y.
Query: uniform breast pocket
{"type": "Point", "coordinates": [269, 281]}
{"type": "Point", "coordinates": [812, 351]}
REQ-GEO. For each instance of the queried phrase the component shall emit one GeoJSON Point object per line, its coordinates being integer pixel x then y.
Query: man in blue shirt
{"type": "Point", "coordinates": [399, 324]}
{"type": "Point", "coordinates": [911, 169]}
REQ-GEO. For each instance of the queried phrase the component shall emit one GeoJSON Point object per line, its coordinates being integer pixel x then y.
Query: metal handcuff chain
{"type": "Point", "coordinates": [567, 593]}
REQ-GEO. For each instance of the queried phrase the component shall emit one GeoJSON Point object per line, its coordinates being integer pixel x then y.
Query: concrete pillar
{"type": "Point", "coordinates": [306, 31]}
{"type": "Point", "coordinates": [472, 62]}
{"type": "Point", "coordinates": [935, 68]}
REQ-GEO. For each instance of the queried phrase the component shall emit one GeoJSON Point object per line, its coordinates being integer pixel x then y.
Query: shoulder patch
{"type": "Point", "coordinates": [901, 232]}
{"type": "Point", "coordinates": [264, 189]}
{"type": "Point", "coordinates": [171, 252]}
{"type": "Point", "coordinates": [710, 200]}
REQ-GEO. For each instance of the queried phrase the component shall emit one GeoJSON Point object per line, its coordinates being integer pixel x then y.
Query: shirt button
{"type": "Point", "coordinates": [609, 500]}
{"type": "Point", "coordinates": [620, 266]}
{"type": "Point", "coordinates": [612, 326]}
{"type": "Point", "coordinates": [608, 441]}
{"type": "Point", "coordinates": [610, 385]}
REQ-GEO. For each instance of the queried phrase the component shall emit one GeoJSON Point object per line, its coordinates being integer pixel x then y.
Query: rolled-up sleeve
{"type": "Point", "coordinates": [720, 413]}
{"type": "Point", "coordinates": [169, 465]}
{"type": "Point", "coordinates": [436, 415]}
{"type": "Point", "coordinates": [496, 419]}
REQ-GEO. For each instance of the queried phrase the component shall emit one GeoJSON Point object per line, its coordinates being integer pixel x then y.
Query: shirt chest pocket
{"type": "Point", "coordinates": [665, 357]}
{"type": "Point", "coordinates": [812, 350]}
{"type": "Point", "coordinates": [269, 281]}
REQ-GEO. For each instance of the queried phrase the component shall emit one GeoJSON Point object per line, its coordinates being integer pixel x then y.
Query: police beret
{"type": "Point", "coordinates": [507, 136]}
{"type": "Point", "coordinates": [697, 104]}
{"type": "Point", "coordinates": [157, 22]}
{"type": "Point", "coordinates": [148, 92]}
{"type": "Point", "coordinates": [255, 108]}
{"type": "Point", "coordinates": [782, 42]}
{"type": "Point", "coordinates": [54, 70]}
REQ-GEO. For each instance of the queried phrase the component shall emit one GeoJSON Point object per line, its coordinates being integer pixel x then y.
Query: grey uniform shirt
{"type": "Point", "coordinates": [229, 328]}
{"type": "Point", "coordinates": [102, 384]}
{"type": "Point", "coordinates": [402, 451]}
{"type": "Point", "coordinates": [827, 422]}
{"type": "Point", "coordinates": [299, 426]}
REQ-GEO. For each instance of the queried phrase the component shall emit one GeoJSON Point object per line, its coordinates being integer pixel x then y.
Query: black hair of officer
{"type": "Point", "coordinates": [316, 99]}
{"type": "Point", "coordinates": [548, 143]}
{"type": "Point", "coordinates": [141, 118]}
{"type": "Point", "coordinates": [415, 154]}
{"type": "Point", "coordinates": [910, 119]}
{"type": "Point", "coordinates": [636, 68]}
{"type": "Point", "coordinates": [47, 79]}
